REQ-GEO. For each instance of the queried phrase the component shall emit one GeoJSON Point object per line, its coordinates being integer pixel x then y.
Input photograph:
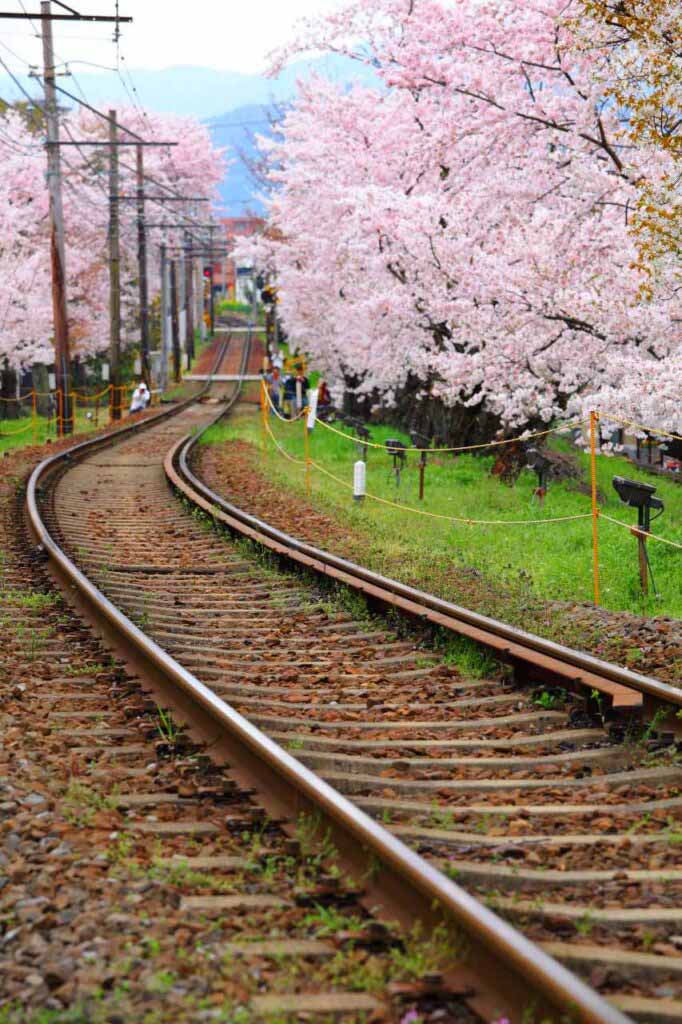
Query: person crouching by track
{"type": "Point", "coordinates": [141, 398]}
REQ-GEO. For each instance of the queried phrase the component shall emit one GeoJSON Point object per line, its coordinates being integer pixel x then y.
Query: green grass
{"type": "Point", "coordinates": [548, 561]}
{"type": "Point", "coordinates": [245, 308]}
{"type": "Point", "coordinates": [18, 433]}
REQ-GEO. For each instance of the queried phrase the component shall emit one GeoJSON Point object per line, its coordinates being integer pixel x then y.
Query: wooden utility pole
{"type": "Point", "coordinates": [163, 382]}
{"type": "Point", "coordinates": [142, 264]}
{"type": "Point", "coordinates": [181, 282]}
{"type": "Point", "coordinates": [174, 319]}
{"type": "Point", "coordinates": [62, 356]}
{"type": "Point", "coordinates": [114, 275]}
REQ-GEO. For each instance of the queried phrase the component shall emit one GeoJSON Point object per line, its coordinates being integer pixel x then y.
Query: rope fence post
{"type": "Point", "coordinates": [306, 448]}
{"type": "Point", "coordinates": [34, 415]}
{"type": "Point", "coordinates": [594, 421]}
{"type": "Point", "coordinates": [263, 415]}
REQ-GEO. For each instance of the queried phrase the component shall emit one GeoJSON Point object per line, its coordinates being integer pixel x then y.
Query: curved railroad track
{"type": "Point", "coordinates": [570, 833]}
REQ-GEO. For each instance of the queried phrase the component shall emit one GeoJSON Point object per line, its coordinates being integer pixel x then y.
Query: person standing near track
{"type": "Point", "coordinates": [289, 396]}
{"type": "Point", "coordinates": [274, 382]}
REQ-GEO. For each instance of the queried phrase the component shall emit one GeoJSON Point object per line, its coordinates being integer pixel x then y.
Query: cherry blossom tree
{"type": "Point", "coordinates": [456, 243]}
{"type": "Point", "coordinates": [637, 45]}
{"type": "Point", "coordinates": [193, 168]}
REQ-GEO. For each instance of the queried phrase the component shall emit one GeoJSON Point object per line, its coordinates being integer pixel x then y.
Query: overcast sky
{"type": "Point", "coordinates": [226, 34]}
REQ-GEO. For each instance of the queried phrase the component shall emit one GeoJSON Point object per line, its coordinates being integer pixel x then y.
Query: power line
{"type": "Point", "coordinates": [74, 16]}
{"type": "Point", "coordinates": [130, 131]}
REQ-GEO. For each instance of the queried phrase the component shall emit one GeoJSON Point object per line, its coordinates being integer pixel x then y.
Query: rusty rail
{"type": "Point", "coordinates": [510, 976]}
{"type": "Point", "coordinates": [525, 650]}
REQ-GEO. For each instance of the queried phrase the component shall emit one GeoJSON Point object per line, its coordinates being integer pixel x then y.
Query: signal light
{"type": "Point", "coordinates": [208, 273]}
{"type": "Point", "coordinates": [639, 495]}
{"type": "Point", "coordinates": [542, 467]}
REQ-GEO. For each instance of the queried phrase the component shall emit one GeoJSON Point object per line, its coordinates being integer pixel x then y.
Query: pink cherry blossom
{"type": "Point", "coordinates": [462, 229]}
{"type": "Point", "coordinates": [194, 168]}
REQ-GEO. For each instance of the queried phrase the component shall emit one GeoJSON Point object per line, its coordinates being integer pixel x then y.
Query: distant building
{"type": "Point", "coordinates": [232, 279]}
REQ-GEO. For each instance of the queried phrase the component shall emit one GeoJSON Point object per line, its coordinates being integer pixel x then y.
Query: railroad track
{"type": "Point", "coordinates": [540, 813]}
{"type": "Point", "coordinates": [138, 882]}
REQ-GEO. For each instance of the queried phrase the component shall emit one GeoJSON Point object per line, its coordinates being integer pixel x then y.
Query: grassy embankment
{"type": "Point", "coordinates": [512, 565]}
{"type": "Point", "coordinates": [17, 433]}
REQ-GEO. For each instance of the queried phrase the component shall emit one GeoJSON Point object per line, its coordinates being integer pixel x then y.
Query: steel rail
{"type": "Point", "coordinates": [494, 941]}
{"type": "Point", "coordinates": [512, 976]}
{"type": "Point", "coordinates": [523, 649]}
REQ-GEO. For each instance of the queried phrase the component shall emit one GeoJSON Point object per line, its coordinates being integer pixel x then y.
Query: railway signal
{"type": "Point", "coordinates": [541, 466]}
{"type": "Point", "coordinates": [640, 496]}
{"type": "Point", "coordinates": [398, 452]}
{"type": "Point", "coordinates": [421, 442]}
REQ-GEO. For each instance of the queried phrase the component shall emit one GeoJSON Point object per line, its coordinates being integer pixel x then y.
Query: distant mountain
{"type": "Point", "coordinates": [201, 92]}
{"type": "Point", "coordinates": [236, 131]}
{"type": "Point", "coordinates": [234, 105]}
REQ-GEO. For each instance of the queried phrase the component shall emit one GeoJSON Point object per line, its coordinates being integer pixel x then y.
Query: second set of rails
{"type": "Point", "coordinates": [408, 766]}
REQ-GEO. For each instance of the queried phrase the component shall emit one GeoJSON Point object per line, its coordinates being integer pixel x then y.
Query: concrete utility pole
{"type": "Point", "coordinates": [114, 274]}
{"type": "Point", "coordinates": [174, 321]}
{"type": "Point", "coordinates": [199, 286]}
{"type": "Point", "coordinates": [189, 299]}
{"type": "Point", "coordinates": [142, 263]}
{"type": "Point", "coordinates": [62, 356]}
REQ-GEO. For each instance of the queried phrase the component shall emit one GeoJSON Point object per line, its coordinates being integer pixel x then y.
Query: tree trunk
{"type": "Point", "coordinates": [41, 384]}
{"type": "Point", "coordinates": [10, 409]}
{"type": "Point", "coordinates": [444, 425]}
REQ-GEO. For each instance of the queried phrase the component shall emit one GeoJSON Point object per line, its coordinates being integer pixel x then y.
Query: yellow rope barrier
{"type": "Point", "coordinates": [15, 433]}
{"type": "Point", "coordinates": [83, 396]}
{"type": "Point", "coordinates": [635, 530]}
{"type": "Point", "coordinates": [277, 413]}
{"type": "Point", "coordinates": [424, 512]}
{"type": "Point", "coordinates": [34, 417]}
{"type": "Point", "coordinates": [285, 453]}
{"type": "Point", "coordinates": [455, 519]}
{"type": "Point", "coordinates": [640, 426]}
{"type": "Point", "coordinates": [594, 420]}
{"type": "Point", "coordinates": [461, 448]}
{"type": "Point", "coordinates": [306, 449]}
{"type": "Point", "coordinates": [22, 398]}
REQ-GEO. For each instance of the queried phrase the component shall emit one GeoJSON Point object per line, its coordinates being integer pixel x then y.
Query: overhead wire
{"type": "Point", "coordinates": [38, 106]}
{"type": "Point", "coordinates": [159, 184]}
{"type": "Point", "coordinates": [189, 219]}
{"type": "Point", "coordinates": [84, 102]}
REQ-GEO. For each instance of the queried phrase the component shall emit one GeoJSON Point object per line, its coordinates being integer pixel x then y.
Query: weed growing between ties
{"type": "Point", "coordinates": [472, 660]}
